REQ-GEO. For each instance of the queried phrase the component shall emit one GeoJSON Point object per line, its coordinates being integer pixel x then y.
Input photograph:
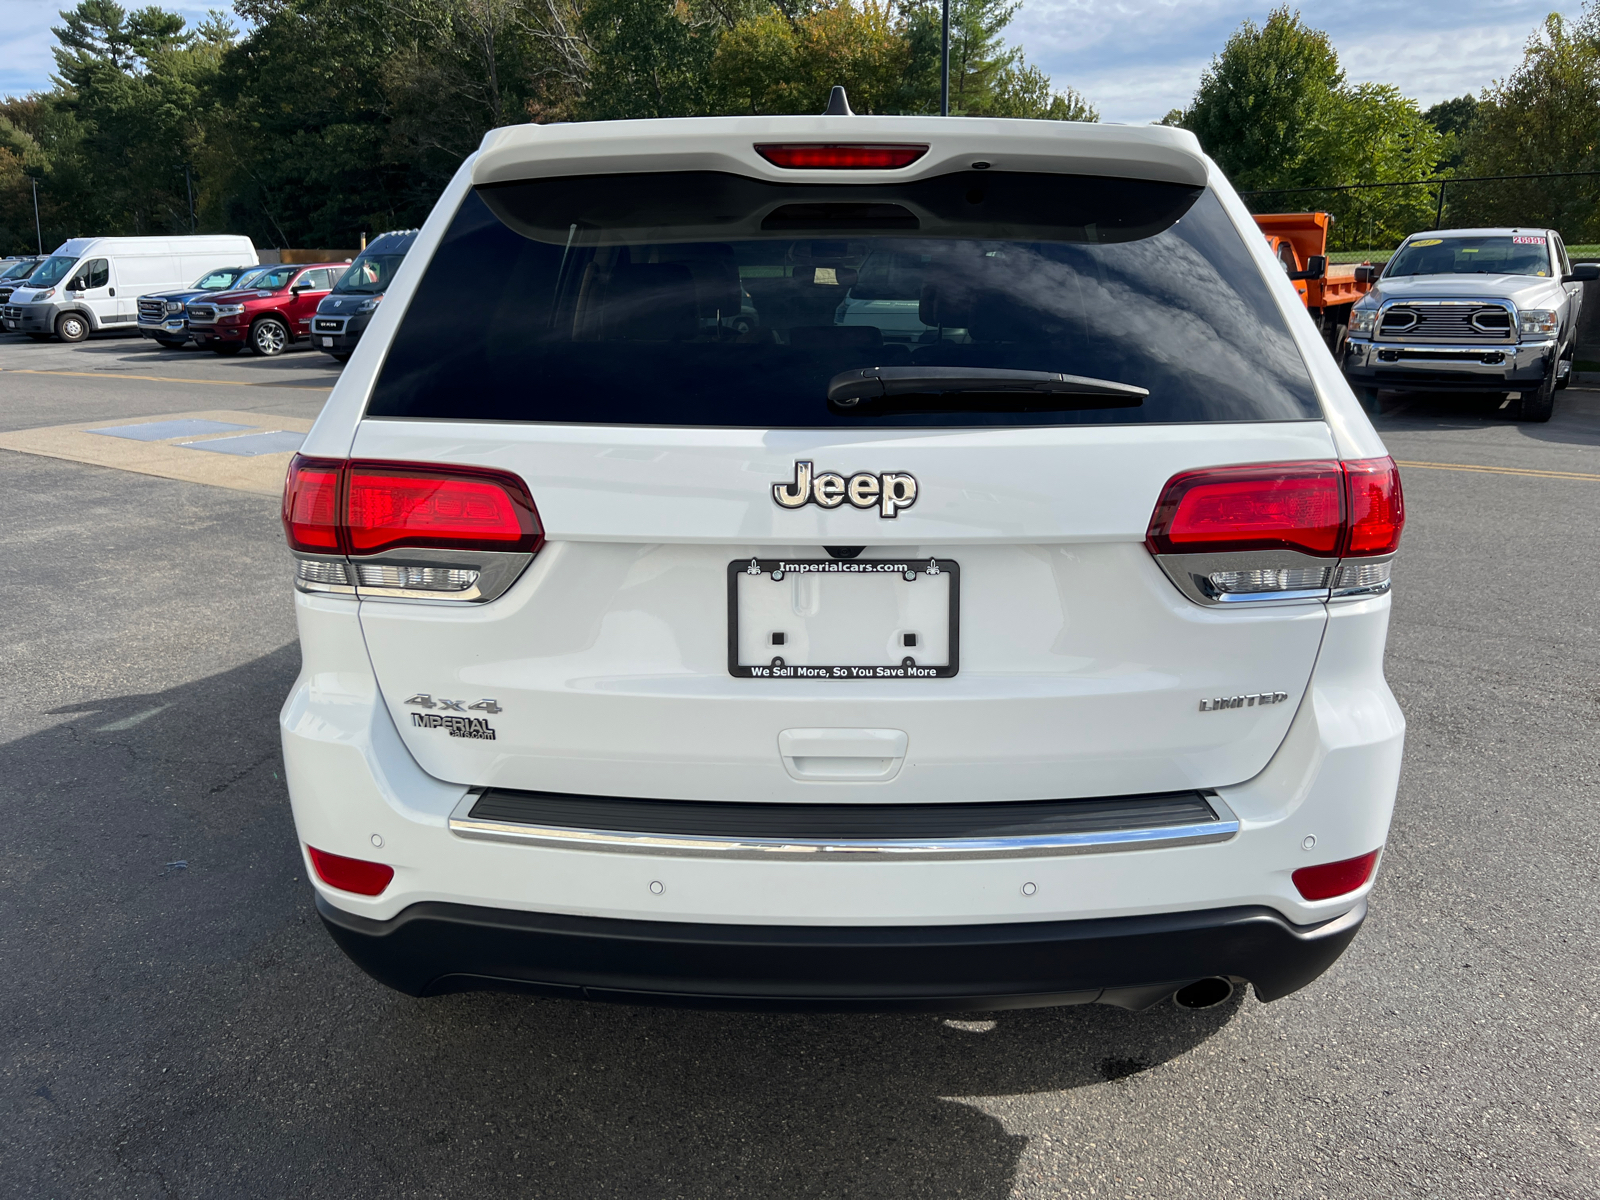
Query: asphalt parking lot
{"type": "Point", "coordinates": [177, 1024]}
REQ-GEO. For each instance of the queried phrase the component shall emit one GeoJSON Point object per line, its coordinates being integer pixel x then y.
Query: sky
{"type": "Point", "coordinates": [1134, 59]}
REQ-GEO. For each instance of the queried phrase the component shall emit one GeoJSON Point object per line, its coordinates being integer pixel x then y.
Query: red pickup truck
{"type": "Point", "coordinates": [270, 315]}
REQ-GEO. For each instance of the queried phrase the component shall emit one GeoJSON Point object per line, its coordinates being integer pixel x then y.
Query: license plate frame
{"type": "Point", "coordinates": [908, 668]}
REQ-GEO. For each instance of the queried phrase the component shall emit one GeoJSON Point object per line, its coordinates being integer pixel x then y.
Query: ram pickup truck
{"type": "Point", "coordinates": [269, 315]}
{"type": "Point", "coordinates": [162, 315]}
{"type": "Point", "coordinates": [1460, 310]}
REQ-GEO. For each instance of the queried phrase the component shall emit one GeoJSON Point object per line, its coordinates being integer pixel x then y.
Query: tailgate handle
{"type": "Point", "coordinates": [860, 755]}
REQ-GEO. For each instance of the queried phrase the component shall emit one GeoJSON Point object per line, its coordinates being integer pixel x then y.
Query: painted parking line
{"type": "Point", "coordinates": [303, 387]}
{"type": "Point", "coordinates": [1528, 471]}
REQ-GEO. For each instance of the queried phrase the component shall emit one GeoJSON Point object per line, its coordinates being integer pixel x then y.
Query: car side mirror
{"type": "Point", "coordinates": [1583, 273]}
{"type": "Point", "coordinates": [1316, 268]}
{"type": "Point", "coordinates": [298, 288]}
{"type": "Point", "coordinates": [1366, 273]}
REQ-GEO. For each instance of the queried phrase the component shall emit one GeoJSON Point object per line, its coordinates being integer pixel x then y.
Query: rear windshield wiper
{"type": "Point", "coordinates": [961, 387]}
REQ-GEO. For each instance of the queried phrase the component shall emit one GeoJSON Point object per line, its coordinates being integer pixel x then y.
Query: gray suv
{"type": "Point", "coordinates": [1459, 310]}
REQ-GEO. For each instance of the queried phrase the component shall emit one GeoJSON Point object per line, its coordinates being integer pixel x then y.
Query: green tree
{"type": "Point", "coordinates": [775, 63]}
{"type": "Point", "coordinates": [1457, 119]}
{"type": "Point", "coordinates": [651, 58]}
{"type": "Point", "coordinates": [1275, 112]}
{"type": "Point", "coordinates": [1263, 101]}
{"type": "Point", "coordinates": [1544, 118]}
{"type": "Point", "coordinates": [138, 86]}
{"type": "Point", "coordinates": [302, 147]}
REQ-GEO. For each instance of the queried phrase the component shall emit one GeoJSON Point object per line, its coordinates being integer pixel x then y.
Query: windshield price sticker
{"type": "Point", "coordinates": [1527, 241]}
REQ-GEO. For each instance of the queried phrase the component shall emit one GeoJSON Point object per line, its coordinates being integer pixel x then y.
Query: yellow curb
{"type": "Point", "coordinates": [1498, 470]}
{"type": "Point", "coordinates": [168, 460]}
{"type": "Point", "coordinates": [303, 387]}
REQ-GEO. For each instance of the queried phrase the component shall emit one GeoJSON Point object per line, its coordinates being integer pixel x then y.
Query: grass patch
{"type": "Point", "coordinates": [1374, 257]}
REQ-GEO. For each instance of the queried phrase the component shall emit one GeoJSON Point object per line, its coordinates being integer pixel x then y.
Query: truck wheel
{"type": "Point", "coordinates": [341, 355]}
{"type": "Point", "coordinates": [71, 327]}
{"type": "Point", "coordinates": [268, 337]}
{"type": "Point", "coordinates": [226, 349]}
{"type": "Point", "coordinates": [1539, 405]}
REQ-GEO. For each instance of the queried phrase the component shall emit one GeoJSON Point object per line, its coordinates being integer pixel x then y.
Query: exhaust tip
{"type": "Point", "coordinates": [1204, 993]}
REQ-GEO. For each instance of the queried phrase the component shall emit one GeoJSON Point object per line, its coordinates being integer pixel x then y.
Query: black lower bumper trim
{"type": "Point", "coordinates": [434, 948]}
{"type": "Point", "coordinates": [1440, 381]}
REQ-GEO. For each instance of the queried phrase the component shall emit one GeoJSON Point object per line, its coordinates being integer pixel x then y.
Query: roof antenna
{"type": "Point", "coordinates": [838, 104]}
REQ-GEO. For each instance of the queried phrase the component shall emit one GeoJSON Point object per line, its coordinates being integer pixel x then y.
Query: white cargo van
{"type": "Point", "coordinates": [90, 284]}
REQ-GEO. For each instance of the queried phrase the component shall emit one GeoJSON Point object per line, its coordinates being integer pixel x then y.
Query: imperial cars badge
{"type": "Point", "coordinates": [461, 727]}
{"type": "Point", "coordinates": [888, 492]}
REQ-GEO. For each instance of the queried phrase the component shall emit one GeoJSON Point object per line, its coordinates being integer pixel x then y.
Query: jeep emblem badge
{"type": "Point", "coordinates": [888, 492]}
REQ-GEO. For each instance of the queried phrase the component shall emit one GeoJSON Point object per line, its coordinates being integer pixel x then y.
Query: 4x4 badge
{"type": "Point", "coordinates": [888, 492]}
{"type": "Point", "coordinates": [423, 700]}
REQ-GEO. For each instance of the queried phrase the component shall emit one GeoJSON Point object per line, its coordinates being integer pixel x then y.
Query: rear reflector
{"type": "Point", "coordinates": [841, 158]}
{"type": "Point", "coordinates": [1275, 506]}
{"type": "Point", "coordinates": [350, 874]}
{"type": "Point", "coordinates": [335, 507]}
{"type": "Point", "coordinates": [1327, 880]}
{"type": "Point", "coordinates": [1322, 508]}
{"type": "Point", "coordinates": [311, 504]}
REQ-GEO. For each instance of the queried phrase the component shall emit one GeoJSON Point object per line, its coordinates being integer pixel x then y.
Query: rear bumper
{"type": "Point", "coordinates": [1404, 366]}
{"type": "Point", "coordinates": [433, 948]}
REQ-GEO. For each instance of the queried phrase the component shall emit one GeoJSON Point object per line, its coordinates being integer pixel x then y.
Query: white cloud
{"type": "Point", "coordinates": [1136, 59]}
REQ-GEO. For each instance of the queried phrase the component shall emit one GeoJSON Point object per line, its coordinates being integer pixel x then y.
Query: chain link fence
{"type": "Point", "coordinates": [1371, 219]}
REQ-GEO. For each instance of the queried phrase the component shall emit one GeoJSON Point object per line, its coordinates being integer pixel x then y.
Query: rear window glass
{"type": "Point", "coordinates": [709, 299]}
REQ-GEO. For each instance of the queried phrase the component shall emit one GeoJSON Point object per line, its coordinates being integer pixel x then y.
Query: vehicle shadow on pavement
{"type": "Point", "coordinates": [1576, 421]}
{"type": "Point", "coordinates": [184, 1026]}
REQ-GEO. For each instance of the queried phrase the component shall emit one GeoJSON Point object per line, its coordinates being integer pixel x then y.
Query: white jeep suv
{"type": "Point", "coordinates": [1025, 652]}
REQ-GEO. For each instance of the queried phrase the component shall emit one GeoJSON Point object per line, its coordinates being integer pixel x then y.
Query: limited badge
{"type": "Point", "coordinates": [1253, 700]}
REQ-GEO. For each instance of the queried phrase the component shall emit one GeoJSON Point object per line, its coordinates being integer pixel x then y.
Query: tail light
{"type": "Point", "coordinates": [408, 530]}
{"type": "Point", "coordinates": [1327, 880]}
{"type": "Point", "coordinates": [1279, 531]}
{"type": "Point", "coordinates": [1285, 506]}
{"type": "Point", "coordinates": [841, 158]}
{"type": "Point", "coordinates": [390, 505]}
{"type": "Point", "coordinates": [350, 874]}
{"type": "Point", "coordinates": [311, 505]}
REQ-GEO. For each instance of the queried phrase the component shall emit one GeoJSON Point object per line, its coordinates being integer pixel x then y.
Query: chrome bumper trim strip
{"type": "Point", "coordinates": [1223, 829]}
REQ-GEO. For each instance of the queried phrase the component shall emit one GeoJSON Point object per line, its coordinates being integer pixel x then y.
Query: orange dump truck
{"type": "Point", "coordinates": [1300, 242]}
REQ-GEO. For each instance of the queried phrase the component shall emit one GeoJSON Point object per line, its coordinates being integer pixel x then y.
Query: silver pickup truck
{"type": "Point", "coordinates": [1460, 310]}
